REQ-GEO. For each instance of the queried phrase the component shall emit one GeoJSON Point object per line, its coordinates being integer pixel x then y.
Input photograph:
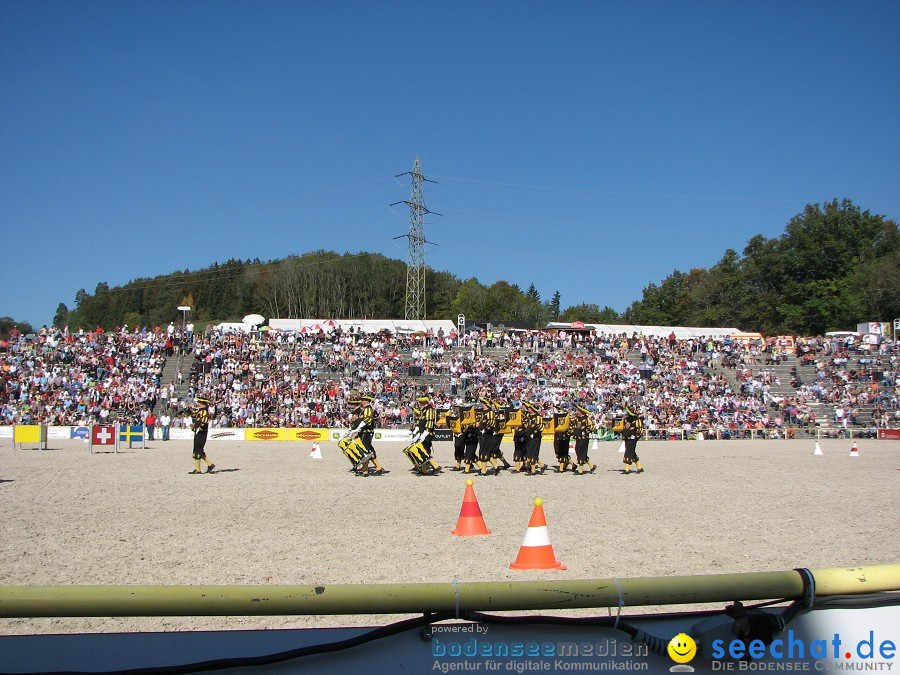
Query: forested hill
{"type": "Point", "coordinates": [833, 267]}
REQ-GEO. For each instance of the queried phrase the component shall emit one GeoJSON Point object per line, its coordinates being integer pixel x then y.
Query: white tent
{"type": "Point", "coordinates": [366, 325]}
{"type": "Point", "coordinates": [681, 332]}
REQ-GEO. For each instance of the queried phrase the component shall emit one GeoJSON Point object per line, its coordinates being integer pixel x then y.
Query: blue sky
{"type": "Point", "coordinates": [586, 147]}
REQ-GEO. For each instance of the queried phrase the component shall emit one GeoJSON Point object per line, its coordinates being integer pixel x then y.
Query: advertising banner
{"type": "Point", "coordinates": [388, 435]}
{"type": "Point", "coordinates": [401, 435]}
{"type": "Point", "coordinates": [265, 434]}
{"type": "Point", "coordinates": [308, 434]}
{"type": "Point", "coordinates": [59, 433]}
{"type": "Point", "coordinates": [889, 434]}
{"type": "Point", "coordinates": [226, 434]}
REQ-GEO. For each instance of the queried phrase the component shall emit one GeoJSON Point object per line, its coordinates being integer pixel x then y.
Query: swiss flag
{"type": "Point", "coordinates": [103, 435]}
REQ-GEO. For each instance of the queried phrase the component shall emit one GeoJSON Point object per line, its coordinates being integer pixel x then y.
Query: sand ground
{"type": "Point", "coordinates": [271, 515]}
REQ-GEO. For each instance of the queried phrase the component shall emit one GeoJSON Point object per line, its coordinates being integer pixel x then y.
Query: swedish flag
{"type": "Point", "coordinates": [131, 433]}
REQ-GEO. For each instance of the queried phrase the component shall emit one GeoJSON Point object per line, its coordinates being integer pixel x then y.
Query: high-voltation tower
{"type": "Point", "coordinates": [415, 263]}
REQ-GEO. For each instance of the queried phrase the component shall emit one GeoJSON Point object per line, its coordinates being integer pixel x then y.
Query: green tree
{"type": "Point", "coordinates": [716, 297]}
{"type": "Point", "coordinates": [877, 285]}
{"type": "Point", "coordinates": [442, 288]}
{"type": "Point", "coordinates": [834, 266]}
{"type": "Point", "coordinates": [661, 305]}
{"type": "Point", "coordinates": [132, 320]}
{"type": "Point", "coordinates": [554, 307]}
{"type": "Point", "coordinates": [61, 318]}
{"type": "Point", "coordinates": [826, 247]}
{"type": "Point", "coordinates": [590, 313]}
{"type": "Point", "coordinates": [473, 300]}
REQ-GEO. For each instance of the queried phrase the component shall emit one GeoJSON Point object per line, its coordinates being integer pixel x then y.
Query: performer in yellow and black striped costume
{"type": "Point", "coordinates": [632, 430]}
{"type": "Point", "coordinates": [423, 430]}
{"type": "Point", "coordinates": [533, 425]}
{"type": "Point", "coordinates": [488, 423]}
{"type": "Point", "coordinates": [562, 434]}
{"type": "Point", "coordinates": [520, 443]}
{"type": "Point", "coordinates": [582, 428]}
{"type": "Point", "coordinates": [496, 449]}
{"type": "Point", "coordinates": [200, 426]}
{"type": "Point", "coordinates": [364, 425]}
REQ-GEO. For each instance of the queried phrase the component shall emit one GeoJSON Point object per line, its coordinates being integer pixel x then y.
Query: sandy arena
{"type": "Point", "coordinates": [271, 515]}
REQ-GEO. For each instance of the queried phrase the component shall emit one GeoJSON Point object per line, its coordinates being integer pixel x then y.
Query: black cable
{"type": "Point", "coordinates": [862, 601]}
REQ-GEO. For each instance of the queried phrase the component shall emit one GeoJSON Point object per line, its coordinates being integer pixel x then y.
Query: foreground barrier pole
{"type": "Point", "coordinates": [109, 601]}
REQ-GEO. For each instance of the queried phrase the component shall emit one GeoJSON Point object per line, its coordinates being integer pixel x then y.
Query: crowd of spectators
{"type": "Point", "coordinates": [288, 379]}
{"type": "Point", "coordinates": [850, 377]}
{"type": "Point", "coordinates": [62, 378]}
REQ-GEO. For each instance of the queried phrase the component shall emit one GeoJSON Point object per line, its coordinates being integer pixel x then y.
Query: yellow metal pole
{"type": "Point", "coordinates": [108, 601]}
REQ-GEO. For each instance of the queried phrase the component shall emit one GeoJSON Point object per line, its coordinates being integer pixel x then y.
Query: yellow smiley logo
{"type": "Point", "coordinates": [682, 648]}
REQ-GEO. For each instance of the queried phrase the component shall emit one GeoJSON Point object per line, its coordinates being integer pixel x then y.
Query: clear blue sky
{"type": "Point", "coordinates": [586, 147]}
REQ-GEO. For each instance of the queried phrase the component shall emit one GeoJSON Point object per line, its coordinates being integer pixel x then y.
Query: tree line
{"type": "Point", "coordinates": [833, 267]}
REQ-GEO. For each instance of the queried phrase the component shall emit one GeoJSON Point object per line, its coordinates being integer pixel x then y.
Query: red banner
{"type": "Point", "coordinates": [889, 434]}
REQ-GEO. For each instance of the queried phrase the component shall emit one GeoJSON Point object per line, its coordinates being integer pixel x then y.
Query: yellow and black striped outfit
{"type": "Point", "coordinates": [364, 425]}
{"type": "Point", "coordinates": [520, 441]}
{"type": "Point", "coordinates": [582, 428]}
{"type": "Point", "coordinates": [562, 424]}
{"type": "Point", "coordinates": [487, 425]}
{"type": "Point", "coordinates": [200, 425]}
{"type": "Point", "coordinates": [426, 419]}
{"type": "Point", "coordinates": [534, 425]}
{"type": "Point", "coordinates": [632, 430]}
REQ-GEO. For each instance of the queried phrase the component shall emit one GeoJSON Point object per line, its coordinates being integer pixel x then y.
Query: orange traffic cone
{"type": "Point", "coordinates": [536, 553]}
{"type": "Point", "coordinates": [471, 522]}
{"type": "Point", "coordinates": [854, 451]}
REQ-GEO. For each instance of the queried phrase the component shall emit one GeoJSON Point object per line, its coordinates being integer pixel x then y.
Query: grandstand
{"type": "Point", "coordinates": [298, 372]}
